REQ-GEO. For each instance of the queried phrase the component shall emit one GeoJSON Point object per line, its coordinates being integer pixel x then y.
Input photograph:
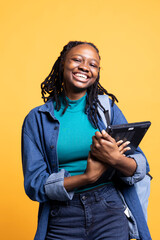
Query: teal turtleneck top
{"type": "Point", "coordinates": [75, 136]}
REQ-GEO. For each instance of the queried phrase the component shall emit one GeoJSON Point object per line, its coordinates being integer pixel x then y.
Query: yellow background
{"type": "Point", "coordinates": [33, 33]}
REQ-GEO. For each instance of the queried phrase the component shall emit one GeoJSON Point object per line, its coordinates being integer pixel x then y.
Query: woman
{"type": "Point", "coordinates": [68, 158]}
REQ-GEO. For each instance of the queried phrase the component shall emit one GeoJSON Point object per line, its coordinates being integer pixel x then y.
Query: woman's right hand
{"type": "Point", "coordinates": [94, 169]}
{"type": "Point", "coordinates": [93, 172]}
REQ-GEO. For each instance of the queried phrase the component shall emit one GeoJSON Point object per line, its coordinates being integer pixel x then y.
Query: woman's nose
{"type": "Point", "coordinates": [83, 67]}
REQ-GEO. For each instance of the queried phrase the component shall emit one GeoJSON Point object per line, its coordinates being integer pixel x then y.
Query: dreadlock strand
{"type": "Point", "coordinates": [66, 102]}
{"type": "Point", "coordinates": [92, 103]}
{"type": "Point", "coordinates": [109, 94]}
{"type": "Point", "coordinates": [95, 94]}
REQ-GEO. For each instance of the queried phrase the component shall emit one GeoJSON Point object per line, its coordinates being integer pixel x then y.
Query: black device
{"type": "Point", "coordinates": [133, 132]}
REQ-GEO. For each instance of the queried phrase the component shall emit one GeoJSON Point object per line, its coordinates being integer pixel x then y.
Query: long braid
{"type": "Point", "coordinates": [52, 87]}
{"type": "Point", "coordinates": [93, 101]}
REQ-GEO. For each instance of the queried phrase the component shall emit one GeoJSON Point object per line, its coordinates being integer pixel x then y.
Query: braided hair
{"type": "Point", "coordinates": [53, 86]}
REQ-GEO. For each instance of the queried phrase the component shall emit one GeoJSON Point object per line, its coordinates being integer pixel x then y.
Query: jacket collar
{"type": "Point", "coordinates": [48, 107]}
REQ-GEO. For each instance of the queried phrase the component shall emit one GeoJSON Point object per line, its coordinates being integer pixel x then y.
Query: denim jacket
{"type": "Point", "coordinates": [44, 182]}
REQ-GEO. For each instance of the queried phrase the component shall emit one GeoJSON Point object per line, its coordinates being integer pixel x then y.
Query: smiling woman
{"type": "Point", "coordinates": [70, 169]}
{"type": "Point", "coordinates": [54, 85]}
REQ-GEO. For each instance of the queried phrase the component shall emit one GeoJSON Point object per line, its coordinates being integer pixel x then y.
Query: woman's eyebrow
{"type": "Point", "coordinates": [83, 56]}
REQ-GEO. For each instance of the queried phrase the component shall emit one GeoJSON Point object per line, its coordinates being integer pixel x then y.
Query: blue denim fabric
{"type": "Point", "coordinates": [94, 215]}
{"type": "Point", "coordinates": [57, 179]}
{"type": "Point", "coordinates": [42, 181]}
{"type": "Point", "coordinates": [145, 191]}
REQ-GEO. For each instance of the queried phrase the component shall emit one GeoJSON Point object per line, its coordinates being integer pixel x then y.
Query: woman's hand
{"type": "Point", "coordinates": [123, 146]}
{"type": "Point", "coordinates": [93, 172]}
{"type": "Point", "coordinates": [94, 169]}
{"type": "Point", "coordinates": [106, 149]}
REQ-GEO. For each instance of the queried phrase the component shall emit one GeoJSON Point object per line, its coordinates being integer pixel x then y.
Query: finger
{"type": "Point", "coordinates": [98, 135]}
{"type": "Point", "coordinates": [93, 152]}
{"type": "Point", "coordinates": [91, 148]}
{"type": "Point", "coordinates": [125, 150]}
{"type": "Point", "coordinates": [95, 143]}
{"type": "Point", "coordinates": [90, 157]}
{"type": "Point", "coordinates": [126, 143]}
{"type": "Point", "coordinates": [119, 142]}
{"type": "Point", "coordinates": [122, 146]}
{"type": "Point", "coordinates": [106, 136]}
{"type": "Point", "coordinates": [105, 143]}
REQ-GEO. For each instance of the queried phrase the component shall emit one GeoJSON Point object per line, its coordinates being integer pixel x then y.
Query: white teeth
{"type": "Point", "coordinates": [81, 75]}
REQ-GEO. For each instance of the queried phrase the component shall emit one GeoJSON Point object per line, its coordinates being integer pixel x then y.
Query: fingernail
{"type": "Point", "coordinates": [104, 132]}
{"type": "Point", "coordinates": [128, 142]}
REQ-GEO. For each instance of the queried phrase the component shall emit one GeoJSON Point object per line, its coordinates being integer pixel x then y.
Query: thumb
{"type": "Point", "coordinates": [89, 155]}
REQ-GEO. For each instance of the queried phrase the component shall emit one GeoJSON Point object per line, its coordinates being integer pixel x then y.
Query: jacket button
{"type": "Point", "coordinates": [52, 146]}
{"type": "Point", "coordinates": [84, 198]}
{"type": "Point", "coordinates": [55, 128]}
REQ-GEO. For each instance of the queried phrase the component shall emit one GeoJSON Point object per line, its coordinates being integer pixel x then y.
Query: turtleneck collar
{"type": "Point", "coordinates": [74, 105]}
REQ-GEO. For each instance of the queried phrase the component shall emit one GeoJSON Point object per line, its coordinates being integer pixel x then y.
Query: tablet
{"type": "Point", "coordinates": [133, 132]}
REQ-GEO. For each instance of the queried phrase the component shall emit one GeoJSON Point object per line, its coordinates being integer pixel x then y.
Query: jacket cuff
{"type": "Point", "coordinates": [140, 170]}
{"type": "Point", "coordinates": [54, 187]}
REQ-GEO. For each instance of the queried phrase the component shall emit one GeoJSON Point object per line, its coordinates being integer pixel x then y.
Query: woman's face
{"type": "Point", "coordinates": [81, 68]}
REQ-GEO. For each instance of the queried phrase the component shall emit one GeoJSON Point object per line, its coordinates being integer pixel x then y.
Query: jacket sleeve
{"type": "Point", "coordinates": [117, 117]}
{"type": "Point", "coordinates": [38, 183]}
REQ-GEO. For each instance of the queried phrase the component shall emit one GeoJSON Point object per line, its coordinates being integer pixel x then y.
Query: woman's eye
{"type": "Point", "coordinates": [76, 59]}
{"type": "Point", "coordinates": [93, 65]}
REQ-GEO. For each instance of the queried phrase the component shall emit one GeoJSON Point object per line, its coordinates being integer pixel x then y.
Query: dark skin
{"type": "Point", "coordinates": [81, 68]}
{"type": "Point", "coordinates": [105, 149]}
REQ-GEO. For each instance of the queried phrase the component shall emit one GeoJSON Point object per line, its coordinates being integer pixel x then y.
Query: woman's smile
{"type": "Point", "coordinates": [81, 68]}
{"type": "Point", "coordinates": [81, 77]}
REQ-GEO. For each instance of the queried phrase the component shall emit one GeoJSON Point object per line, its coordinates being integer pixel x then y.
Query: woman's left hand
{"type": "Point", "coordinates": [106, 149]}
{"type": "Point", "coordinates": [123, 146]}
